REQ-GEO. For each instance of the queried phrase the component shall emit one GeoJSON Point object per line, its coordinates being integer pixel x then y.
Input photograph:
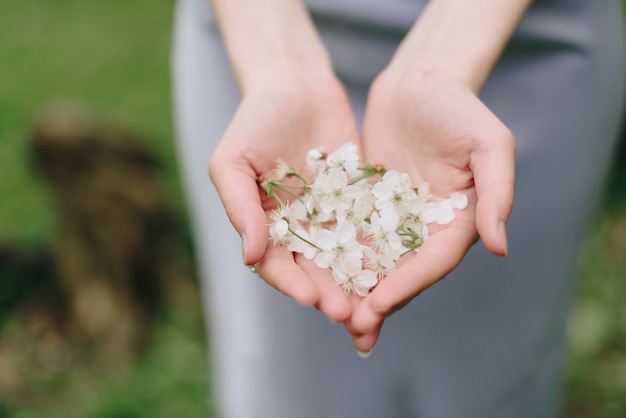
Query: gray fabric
{"type": "Point", "coordinates": [488, 340]}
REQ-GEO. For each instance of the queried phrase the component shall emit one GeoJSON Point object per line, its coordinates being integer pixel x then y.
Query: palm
{"type": "Point", "coordinates": [442, 134]}
{"type": "Point", "coordinates": [280, 124]}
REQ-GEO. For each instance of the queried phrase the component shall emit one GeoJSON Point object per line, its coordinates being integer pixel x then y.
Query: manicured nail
{"type": "Point", "coordinates": [502, 237]}
{"type": "Point", "coordinates": [364, 354]}
{"type": "Point", "coordinates": [244, 247]}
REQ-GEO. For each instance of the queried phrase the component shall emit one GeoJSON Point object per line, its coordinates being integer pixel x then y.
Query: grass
{"type": "Point", "coordinates": [113, 56]}
{"type": "Point", "coordinates": [170, 381]}
{"type": "Point", "coordinates": [596, 367]}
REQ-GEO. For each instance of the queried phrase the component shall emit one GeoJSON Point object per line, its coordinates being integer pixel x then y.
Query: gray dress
{"type": "Point", "coordinates": [488, 340]}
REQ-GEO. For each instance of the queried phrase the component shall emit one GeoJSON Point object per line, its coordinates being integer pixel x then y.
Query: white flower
{"type": "Point", "coordinates": [440, 212]}
{"type": "Point", "coordinates": [379, 263]}
{"type": "Point", "coordinates": [285, 217]}
{"type": "Point", "coordinates": [315, 160]}
{"type": "Point", "coordinates": [413, 219]}
{"type": "Point", "coordinates": [422, 212]}
{"type": "Point", "coordinates": [339, 248]}
{"type": "Point", "coordinates": [332, 189]}
{"type": "Point", "coordinates": [281, 169]}
{"type": "Point", "coordinates": [346, 158]}
{"type": "Point", "coordinates": [364, 204]}
{"type": "Point", "coordinates": [394, 191]}
{"type": "Point", "coordinates": [360, 209]}
{"type": "Point", "coordinates": [458, 200]}
{"type": "Point", "coordinates": [382, 232]}
{"type": "Point", "coordinates": [345, 213]}
{"type": "Point", "coordinates": [359, 281]}
{"type": "Point", "coordinates": [300, 242]}
{"type": "Point", "coordinates": [334, 217]}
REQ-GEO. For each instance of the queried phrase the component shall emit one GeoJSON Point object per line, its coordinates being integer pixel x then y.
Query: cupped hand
{"type": "Point", "coordinates": [283, 119]}
{"type": "Point", "coordinates": [436, 129]}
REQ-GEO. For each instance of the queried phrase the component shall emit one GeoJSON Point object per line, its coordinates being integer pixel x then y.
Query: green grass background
{"type": "Point", "coordinates": [113, 57]}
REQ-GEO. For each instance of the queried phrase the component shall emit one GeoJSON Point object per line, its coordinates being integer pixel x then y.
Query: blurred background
{"type": "Point", "coordinates": [99, 305]}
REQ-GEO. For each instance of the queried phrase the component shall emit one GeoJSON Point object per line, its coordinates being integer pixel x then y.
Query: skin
{"type": "Point", "coordinates": [292, 102]}
{"type": "Point", "coordinates": [424, 103]}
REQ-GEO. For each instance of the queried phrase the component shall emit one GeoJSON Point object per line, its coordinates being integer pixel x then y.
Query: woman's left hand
{"type": "Point", "coordinates": [435, 128]}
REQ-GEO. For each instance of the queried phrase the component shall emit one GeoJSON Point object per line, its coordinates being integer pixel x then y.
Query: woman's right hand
{"type": "Point", "coordinates": [284, 118]}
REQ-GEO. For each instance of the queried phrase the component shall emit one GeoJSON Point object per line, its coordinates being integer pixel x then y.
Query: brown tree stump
{"type": "Point", "coordinates": [119, 255]}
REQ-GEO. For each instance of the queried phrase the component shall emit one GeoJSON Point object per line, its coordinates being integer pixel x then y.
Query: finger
{"type": "Point", "coordinates": [364, 343]}
{"type": "Point", "coordinates": [280, 271]}
{"type": "Point", "coordinates": [333, 301]}
{"type": "Point", "coordinates": [439, 255]}
{"type": "Point", "coordinates": [236, 184]}
{"type": "Point", "coordinates": [493, 167]}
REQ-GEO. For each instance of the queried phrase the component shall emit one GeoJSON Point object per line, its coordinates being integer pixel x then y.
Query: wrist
{"type": "Point", "coordinates": [269, 40]}
{"type": "Point", "coordinates": [297, 73]}
{"type": "Point", "coordinates": [418, 71]}
{"type": "Point", "coordinates": [459, 39]}
{"type": "Point", "coordinates": [471, 75]}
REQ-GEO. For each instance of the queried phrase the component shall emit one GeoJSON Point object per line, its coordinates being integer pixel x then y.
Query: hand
{"type": "Point", "coordinates": [435, 128]}
{"type": "Point", "coordinates": [285, 118]}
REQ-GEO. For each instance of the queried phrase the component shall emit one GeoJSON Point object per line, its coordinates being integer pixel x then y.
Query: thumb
{"type": "Point", "coordinates": [236, 184]}
{"type": "Point", "coordinates": [493, 167]}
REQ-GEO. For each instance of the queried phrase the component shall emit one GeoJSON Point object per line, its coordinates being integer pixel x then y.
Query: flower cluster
{"type": "Point", "coordinates": [355, 218]}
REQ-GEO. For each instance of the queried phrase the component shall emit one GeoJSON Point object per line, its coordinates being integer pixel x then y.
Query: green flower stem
{"type": "Point", "coordinates": [289, 192]}
{"type": "Point", "coordinates": [363, 176]}
{"type": "Point", "coordinates": [298, 176]}
{"type": "Point", "coordinates": [278, 199]}
{"type": "Point", "coordinates": [290, 186]}
{"type": "Point", "coordinates": [414, 242]}
{"type": "Point", "coordinates": [295, 234]}
{"type": "Point", "coordinates": [369, 170]}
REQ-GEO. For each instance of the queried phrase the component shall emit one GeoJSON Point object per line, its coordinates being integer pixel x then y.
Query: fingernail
{"type": "Point", "coordinates": [502, 237]}
{"type": "Point", "coordinates": [364, 354]}
{"type": "Point", "coordinates": [244, 247]}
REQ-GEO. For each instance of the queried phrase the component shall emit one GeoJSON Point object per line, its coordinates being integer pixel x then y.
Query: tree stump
{"type": "Point", "coordinates": [118, 254]}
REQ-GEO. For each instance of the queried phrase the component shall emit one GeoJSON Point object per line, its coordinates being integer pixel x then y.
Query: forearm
{"type": "Point", "coordinates": [459, 38]}
{"type": "Point", "coordinates": [270, 39]}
